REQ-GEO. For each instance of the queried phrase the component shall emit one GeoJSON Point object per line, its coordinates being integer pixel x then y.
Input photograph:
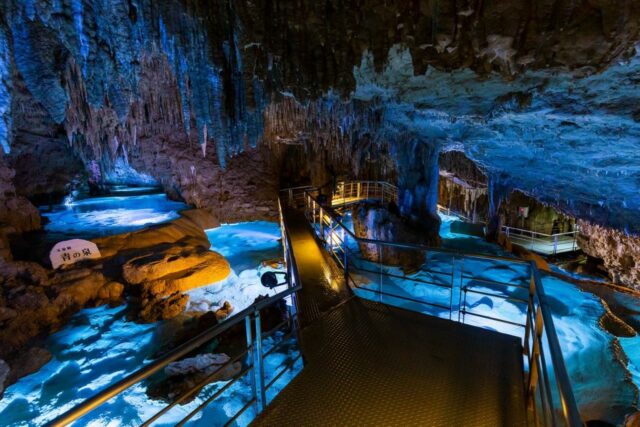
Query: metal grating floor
{"type": "Point", "coordinates": [371, 364]}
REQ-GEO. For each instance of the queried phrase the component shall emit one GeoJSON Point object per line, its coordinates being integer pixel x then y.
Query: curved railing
{"type": "Point", "coordinates": [548, 244]}
{"type": "Point", "coordinates": [253, 356]}
{"type": "Point", "coordinates": [451, 284]}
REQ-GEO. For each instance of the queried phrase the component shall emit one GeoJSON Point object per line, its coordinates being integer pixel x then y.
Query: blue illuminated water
{"type": "Point", "coordinates": [599, 376]}
{"type": "Point", "coordinates": [99, 346]}
{"type": "Point", "coordinates": [101, 216]}
{"type": "Point", "coordinates": [605, 384]}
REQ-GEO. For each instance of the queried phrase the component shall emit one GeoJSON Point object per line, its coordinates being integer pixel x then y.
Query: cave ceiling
{"type": "Point", "coordinates": [544, 94]}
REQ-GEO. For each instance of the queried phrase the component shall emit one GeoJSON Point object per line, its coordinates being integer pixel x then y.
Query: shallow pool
{"type": "Point", "coordinates": [604, 369]}
{"type": "Point", "coordinates": [102, 216]}
{"type": "Point", "coordinates": [100, 346]}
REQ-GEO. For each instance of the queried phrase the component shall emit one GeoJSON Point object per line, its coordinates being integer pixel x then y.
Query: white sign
{"type": "Point", "coordinates": [523, 212]}
{"type": "Point", "coordinates": [72, 251]}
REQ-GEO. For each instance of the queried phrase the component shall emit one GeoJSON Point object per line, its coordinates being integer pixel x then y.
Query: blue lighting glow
{"type": "Point", "coordinates": [103, 216]}
{"type": "Point", "coordinates": [100, 345]}
{"type": "Point", "coordinates": [608, 395]}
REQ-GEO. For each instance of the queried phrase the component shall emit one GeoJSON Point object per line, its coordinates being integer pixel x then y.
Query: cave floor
{"type": "Point", "coordinates": [367, 363]}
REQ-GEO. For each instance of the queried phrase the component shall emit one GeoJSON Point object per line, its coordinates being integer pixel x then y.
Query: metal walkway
{"type": "Point", "coordinates": [369, 363]}
{"type": "Point", "coordinates": [372, 364]}
{"type": "Point", "coordinates": [325, 286]}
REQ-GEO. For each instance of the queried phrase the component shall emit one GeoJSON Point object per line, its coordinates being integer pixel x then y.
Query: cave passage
{"type": "Point", "coordinates": [200, 199]}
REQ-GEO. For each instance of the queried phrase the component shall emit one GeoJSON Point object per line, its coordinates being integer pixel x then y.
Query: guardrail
{"type": "Point", "coordinates": [252, 357]}
{"type": "Point", "coordinates": [446, 211]}
{"type": "Point", "coordinates": [454, 285]}
{"type": "Point", "coordinates": [547, 244]}
{"type": "Point", "coordinates": [346, 193]}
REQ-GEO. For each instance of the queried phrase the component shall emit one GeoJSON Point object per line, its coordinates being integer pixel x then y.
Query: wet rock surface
{"type": "Point", "coordinates": [37, 301]}
{"type": "Point", "coordinates": [4, 373]}
{"type": "Point", "coordinates": [186, 374]}
{"type": "Point", "coordinates": [27, 362]}
{"type": "Point", "coordinates": [620, 252]}
{"type": "Point", "coordinates": [155, 308]}
{"type": "Point", "coordinates": [17, 214]}
{"type": "Point", "coordinates": [224, 312]}
{"type": "Point", "coordinates": [152, 267]}
{"type": "Point", "coordinates": [177, 259]}
{"type": "Point", "coordinates": [379, 223]}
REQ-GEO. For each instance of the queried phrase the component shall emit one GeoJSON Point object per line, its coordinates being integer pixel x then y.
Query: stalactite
{"type": "Point", "coordinates": [5, 87]}
{"type": "Point", "coordinates": [498, 189]}
{"type": "Point", "coordinates": [462, 197]}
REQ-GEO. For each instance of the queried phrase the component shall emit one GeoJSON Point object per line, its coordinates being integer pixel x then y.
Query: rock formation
{"type": "Point", "coordinates": [17, 214]}
{"type": "Point", "coordinates": [224, 312]}
{"type": "Point", "coordinates": [381, 223]}
{"type": "Point", "coordinates": [153, 267]}
{"type": "Point", "coordinates": [184, 374]}
{"type": "Point", "coordinates": [462, 187]}
{"type": "Point", "coordinates": [619, 251]}
{"type": "Point", "coordinates": [154, 308]}
{"type": "Point", "coordinates": [222, 102]}
{"type": "Point", "coordinates": [4, 373]}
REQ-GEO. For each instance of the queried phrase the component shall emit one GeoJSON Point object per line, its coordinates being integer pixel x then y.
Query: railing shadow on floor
{"type": "Point", "coordinates": [457, 286]}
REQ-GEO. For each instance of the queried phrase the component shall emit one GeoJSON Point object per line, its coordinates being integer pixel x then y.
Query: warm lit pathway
{"type": "Point", "coordinates": [370, 364]}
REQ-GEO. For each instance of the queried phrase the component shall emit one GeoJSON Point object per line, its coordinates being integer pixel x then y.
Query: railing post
{"type": "Point", "coordinates": [251, 354]}
{"type": "Point", "coordinates": [453, 272]}
{"type": "Point", "coordinates": [259, 372]}
{"type": "Point", "coordinates": [380, 247]}
{"type": "Point", "coordinates": [555, 244]}
{"type": "Point", "coordinates": [321, 225]}
{"type": "Point", "coordinates": [567, 398]}
{"type": "Point", "coordinates": [346, 257]}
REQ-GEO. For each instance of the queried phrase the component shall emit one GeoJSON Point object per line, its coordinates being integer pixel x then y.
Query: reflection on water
{"type": "Point", "coordinates": [604, 369]}
{"type": "Point", "coordinates": [101, 216]}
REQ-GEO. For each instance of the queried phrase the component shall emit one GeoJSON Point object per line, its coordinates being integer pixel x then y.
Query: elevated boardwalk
{"type": "Point", "coordinates": [371, 364]}
{"type": "Point", "coordinates": [367, 363]}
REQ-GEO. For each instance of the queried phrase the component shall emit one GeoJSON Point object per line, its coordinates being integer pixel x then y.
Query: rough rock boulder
{"type": "Point", "coordinates": [378, 223]}
{"type": "Point", "coordinates": [179, 230]}
{"type": "Point", "coordinates": [619, 251]}
{"type": "Point", "coordinates": [185, 374]}
{"type": "Point", "coordinates": [34, 300]}
{"type": "Point", "coordinates": [178, 268]}
{"type": "Point", "coordinates": [162, 308]}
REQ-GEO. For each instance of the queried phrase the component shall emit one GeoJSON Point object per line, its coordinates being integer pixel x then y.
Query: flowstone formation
{"type": "Point", "coordinates": [223, 102]}
{"type": "Point", "coordinates": [386, 224]}
{"type": "Point", "coordinates": [151, 269]}
{"type": "Point", "coordinates": [618, 251]}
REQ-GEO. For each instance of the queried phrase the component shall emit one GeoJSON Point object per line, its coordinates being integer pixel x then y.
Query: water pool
{"type": "Point", "coordinates": [100, 345]}
{"type": "Point", "coordinates": [102, 216]}
{"type": "Point", "coordinates": [604, 369]}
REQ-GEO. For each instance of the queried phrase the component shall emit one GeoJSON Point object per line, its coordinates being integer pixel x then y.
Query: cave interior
{"type": "Point", "coordinates": [171, 169]}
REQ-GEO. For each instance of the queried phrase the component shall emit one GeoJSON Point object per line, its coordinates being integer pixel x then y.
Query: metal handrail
{"type": "Point", "coordinates": [417, 246]}
{"type": "Point", "coordinates": [537, 233]}
{"type": "Point", "coordinates": [538, 328]}
{"type": "Point", "coordinates": [451, 212]}
{"type": "Point", "coordinates": [551, 242]}
{"type": "Point", "coordinates": [253, 310]}
{"type": "Point", "coordinates": [568, 400]}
